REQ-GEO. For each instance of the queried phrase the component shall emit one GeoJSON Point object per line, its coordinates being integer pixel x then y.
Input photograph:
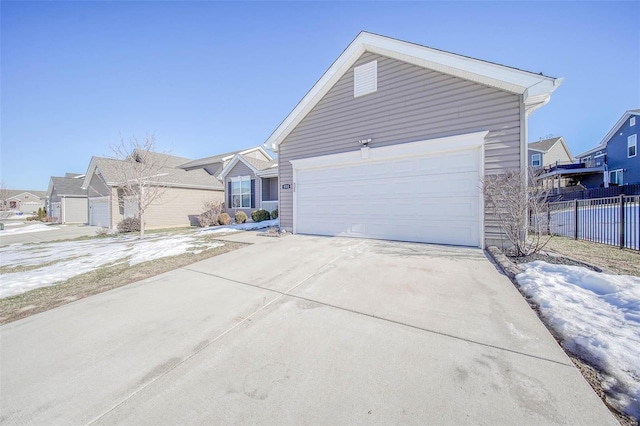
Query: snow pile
{"type": "Point", "coordinates": [63, 260]}
{"type": "Point", "coordinates": [38, 227]}
{"type": "Point", "coordinates": [251, 226]}
{"type": "Point", "coordinates": [597, 316]}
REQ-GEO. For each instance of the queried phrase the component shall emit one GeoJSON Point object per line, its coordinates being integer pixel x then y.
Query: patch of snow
{"type": "Point", "coordinates": [250, 226]}
{"type": "Point", "coordinates": [38, 227]}
{"type": "Point", "coordinates": [13, 224]}
{"type": "Point", "coordinates": [63, 260]}
{"type": "Point", "coordinates": [597, 316]}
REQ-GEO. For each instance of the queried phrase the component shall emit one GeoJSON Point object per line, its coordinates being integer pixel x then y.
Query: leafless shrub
{"type": "Point", "coordinates": [521, 209]}
{"type": "Point", "coordinates": [211, 210]}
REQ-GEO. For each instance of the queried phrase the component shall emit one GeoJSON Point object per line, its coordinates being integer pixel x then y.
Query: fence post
{"type": "Point", "coordinates": [622, 221]}
{"type": "Point", "coordinates": [575, 220]}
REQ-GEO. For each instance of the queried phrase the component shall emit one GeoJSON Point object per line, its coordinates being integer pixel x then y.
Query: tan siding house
{"type": "Point", "coordinates": [184, 193]}
{"type": "Point", "coordinates": [68, 201]}
{"type": "Point", "coordinates": [428, 127]}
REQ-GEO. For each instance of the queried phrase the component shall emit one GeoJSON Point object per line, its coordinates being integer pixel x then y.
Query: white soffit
{"type": "Point", "coordinates": [536, 89]}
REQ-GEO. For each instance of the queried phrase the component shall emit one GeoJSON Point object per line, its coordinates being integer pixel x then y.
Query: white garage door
{"type": "Point", "coordinates": [414, 193]}
{"type": "Point", "coordinates": [99, 212]}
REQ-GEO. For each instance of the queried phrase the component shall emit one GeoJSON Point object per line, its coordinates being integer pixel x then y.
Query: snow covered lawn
{"type": "Point", "coordinates": [37, 227]}
{"type": "Point", "coordinates": [46, 264]}
{"type": "Point", "coordinates": [597, 316]}
{"type": "Point", "coordinates": [250, 226]}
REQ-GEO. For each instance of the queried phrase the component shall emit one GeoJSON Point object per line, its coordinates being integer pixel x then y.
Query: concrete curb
{"type": "Point", "coordinates": [508, 267]}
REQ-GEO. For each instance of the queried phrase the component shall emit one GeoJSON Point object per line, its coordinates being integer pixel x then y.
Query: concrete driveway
{"type": "Point", "coordinates": [298, 330]}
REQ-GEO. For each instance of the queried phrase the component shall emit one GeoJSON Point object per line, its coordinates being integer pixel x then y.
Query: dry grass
{"type": "Point", "coordinates": [610, 258]}
{"type": "Point", "coordinates": [97, 281]}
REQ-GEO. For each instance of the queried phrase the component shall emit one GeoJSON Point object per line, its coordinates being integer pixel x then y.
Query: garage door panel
{"type": "Point", "coordinates": [99, 213]}
{"type": "Point", "coordinates": [429, 198]}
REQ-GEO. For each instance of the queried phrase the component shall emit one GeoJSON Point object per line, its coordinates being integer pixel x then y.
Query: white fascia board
{"type": "Point", "coordinates": [86, 181]}
{"type": "Point", "coordinates": [535, 88]}
{"type": "Point", "coordinates": [258, 148]}
{"type": "Point", "coordinates": [409, 149]}
{"type": "Point", "coordinates": [231, 164]}
{"type": "Point", "coordinates": [50, 188]}
{"type": "Point", "coordinates": [615, 128]}
{"type": "Point", "coordinates": [536, 150]}
{"type": "Point", "coordinates": [591, 151]}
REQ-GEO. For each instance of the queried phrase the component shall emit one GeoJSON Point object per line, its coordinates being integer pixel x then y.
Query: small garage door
{"type": "Point", "coordinates": [99, 212]}
{"type": "Point", "coordinates": [415, 195]}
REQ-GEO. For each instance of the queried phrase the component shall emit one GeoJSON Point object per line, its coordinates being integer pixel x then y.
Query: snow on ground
{"type": "Point", "coordinates": [13, 224]}
{"type": "Point", "coordinates": [242, 227]}
{"type": "Point", "coordinates": [38, 227]}
{"type": "Point", "coordinates": [63, 260]}
{"type": "Point", "coordinates": [597, 316]}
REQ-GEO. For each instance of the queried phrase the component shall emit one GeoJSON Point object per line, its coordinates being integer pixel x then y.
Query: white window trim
{"type": "Point", "coordinates": [632, 141]}
{"type": "Point", "coordinates": [533, 160]}
{"type": "Point", "coordinates": [615, 172]}
{"type": "Point", "coordinates": [632, 121]}
{"type": "Point", "coordinates": [240, 179]}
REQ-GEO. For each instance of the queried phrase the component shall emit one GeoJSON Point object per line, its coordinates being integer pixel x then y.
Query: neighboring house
{"type": "Point", "coordinates": [250, 184]}
{"type": "Point", "coordinates": [394, 139]}
{"type": "Point", "coordinates": [25, 201]}
{"type": "Point", "coordinates": [250, 179]}
{"type": "Point", "coordinates": [547, 154]}
{"type": "Point", "coordinates": [67, 200]}
{"type": "Point", "coordinates": [615, 159]}
{"type": "Point", "coordinates": [186, 191]}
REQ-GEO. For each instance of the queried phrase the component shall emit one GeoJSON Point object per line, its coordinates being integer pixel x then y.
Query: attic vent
{"type": "Point", "coordinates": [365, 79]}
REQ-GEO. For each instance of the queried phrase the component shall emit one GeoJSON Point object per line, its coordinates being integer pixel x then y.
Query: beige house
{"type": "Point", "coordinates": [24, 201]}
{"type": "Point", "coordinates": [67, 200]}
{"type": "Point", "coordinates": [184, 192]}
{"type": "Point", "coordinates": [549, 152]}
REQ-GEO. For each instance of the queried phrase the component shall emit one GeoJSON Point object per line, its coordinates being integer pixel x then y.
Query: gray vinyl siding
{"type": "Point", "coordinates": [411, 104]}
{"type": "Point", "coordinates": [241, 169]}
{"type": "Point", "coordinates": [97, 187]}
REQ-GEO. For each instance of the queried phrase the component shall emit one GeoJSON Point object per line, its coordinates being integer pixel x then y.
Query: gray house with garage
{"type": "Point", "coordinates": [68, 201]}
{"type": "Point", "coordinates": [394, 139]}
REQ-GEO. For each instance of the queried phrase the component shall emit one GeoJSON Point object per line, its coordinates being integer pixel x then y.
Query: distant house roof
{"type": "Point", "coordinates": [74, 175]}
{"type": "Point", "coordinates": [254, 164]}
{"type": "Point", "coordinates": [220, 158]}
{"type": "Point", "coordinates": [535, 89]}
{"type": "Point", "coordinates": [544, 145]}
{"type": "Point", "coordinates": [614, 129]}
{"type": "Point", "coordinates": [17, 193]}
{"type": "Point", "coordinates": [66, 186]}
{"type": "Point", "coordinates": [113, 170]}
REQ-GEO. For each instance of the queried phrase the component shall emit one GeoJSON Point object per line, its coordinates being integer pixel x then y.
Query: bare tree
{"type": "Point", "coordinates": [140, 175]}
{"type": "Point", "coordinates": [4, 194]}
{"type": "Point", "coordinates": [211, 209]}
{"type": "Point", "coordinates": [521, 208]}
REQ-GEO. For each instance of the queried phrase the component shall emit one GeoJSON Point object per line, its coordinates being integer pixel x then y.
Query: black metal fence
{"type": "Point", "coordinates": [612, 191]}
{"type": "Point", "coordinates": [611, 220]}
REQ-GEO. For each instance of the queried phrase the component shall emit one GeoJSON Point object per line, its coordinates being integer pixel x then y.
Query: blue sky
{"type": "Point", "coordinates": [210, 77]}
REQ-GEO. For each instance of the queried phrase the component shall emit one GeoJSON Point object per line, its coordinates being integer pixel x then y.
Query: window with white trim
{"type": "Point", "coordinates": [241, 192]}
{"type": "Point", "coordinates": [632, 146]}
{"type": "Point", "coordinates": [536, 160]}
{"type": "Point", "coordinates": [615, 177]}
{"type": "Point", "coordinates": [632, 121]}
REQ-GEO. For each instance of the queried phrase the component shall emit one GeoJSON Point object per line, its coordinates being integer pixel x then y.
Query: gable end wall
{"type": "Point", "coordinates": [411, 104]}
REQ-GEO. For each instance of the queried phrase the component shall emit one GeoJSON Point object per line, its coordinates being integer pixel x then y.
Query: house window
{"type": "Point", "coordinates": [615, 177]}
{"type": "Point", "coordinates": [632, 121]}
{"type": "Point", "coordinates": [241, 192]}
{"type": "Point", "coordinates": [365, 79]}
{"type": "Point", "coordinates": [536, 160]}
{"type": "Point", "coordinates": [632, 146]}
